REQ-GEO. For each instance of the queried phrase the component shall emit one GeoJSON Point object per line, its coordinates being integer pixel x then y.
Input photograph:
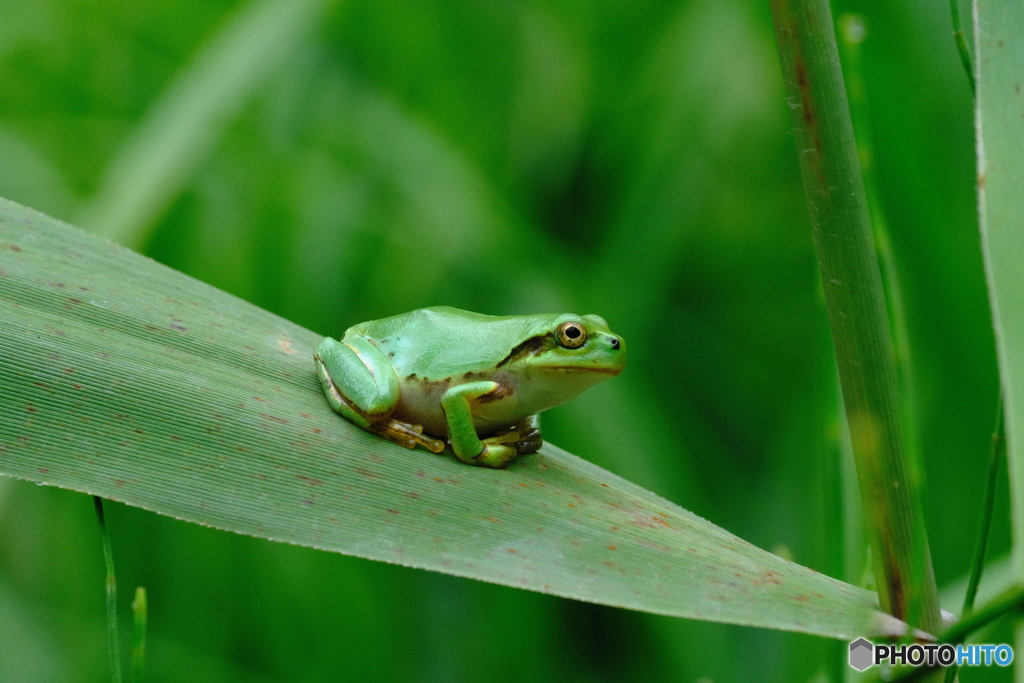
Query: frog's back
{"type": "Point", "coordinates": [440, 342]}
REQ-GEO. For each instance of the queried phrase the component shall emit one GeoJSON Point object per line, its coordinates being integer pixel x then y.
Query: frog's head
{"type": "Point", "coordinates": [576, 351]}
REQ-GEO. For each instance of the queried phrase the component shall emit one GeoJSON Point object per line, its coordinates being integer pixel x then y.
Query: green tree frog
{"type": "Point", "coordinates": [477, 381]}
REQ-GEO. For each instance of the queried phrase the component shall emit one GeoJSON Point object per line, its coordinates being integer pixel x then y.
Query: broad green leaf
{"type": "Point", "coordinates": [999, 118]}
{"type": "Point", "coordinates": [125, 379]}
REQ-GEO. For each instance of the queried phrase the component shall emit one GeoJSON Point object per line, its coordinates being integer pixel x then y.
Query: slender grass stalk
{"type": "Point", "coordinates": [961, 43]}
{"type": "Point", "coordinates": [996, 451]}
{"type": "Point", "coordinates": [855, 300]}
{"type": "Point", "coordinates": [140, 611]}
{"type": "Point", "coordinates": [113, 646]}
{"type": "Point", "coordinates": [1010, 601]}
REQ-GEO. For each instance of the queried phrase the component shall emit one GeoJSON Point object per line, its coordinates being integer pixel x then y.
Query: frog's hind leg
{"type": "Point", "coordinates": [527, 432]}
{"type": "Point", "coordinates": [524, 436]}
{"type": "Point", "coordinates": [359, 384]}
{"type": "Point", "coordinates": [356, 379]}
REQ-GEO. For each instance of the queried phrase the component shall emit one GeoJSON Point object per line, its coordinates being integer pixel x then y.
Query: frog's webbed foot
{"type": "Point", "coordinates": [524, 436]}
{"type": "Point", "coordinates": [408, 435]}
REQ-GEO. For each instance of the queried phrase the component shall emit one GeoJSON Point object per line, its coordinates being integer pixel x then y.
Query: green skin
{"type": "Point", "coordinates": [478, 381]}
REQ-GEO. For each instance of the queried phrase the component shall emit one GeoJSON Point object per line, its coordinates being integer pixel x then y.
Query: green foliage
{"type": "Point", "coordinates": [505, 157]}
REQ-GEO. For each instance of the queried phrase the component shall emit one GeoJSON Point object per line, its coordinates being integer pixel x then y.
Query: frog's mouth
{"type": "Point", "coordinates": [584, 368]}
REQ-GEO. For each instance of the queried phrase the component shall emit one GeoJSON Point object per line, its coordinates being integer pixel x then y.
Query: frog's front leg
{"type": "Point", "coordinates": [497, 451]}
{"type": "Point", "coordinates": [361, 385]}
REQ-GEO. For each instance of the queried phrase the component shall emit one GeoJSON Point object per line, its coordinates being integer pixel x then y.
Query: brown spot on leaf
{"type": "Point", "coordinates": [362, 471]}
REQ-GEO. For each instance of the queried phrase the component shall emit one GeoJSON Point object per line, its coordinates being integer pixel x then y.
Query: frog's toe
{"type": "Point", "coordinates": [524, 436]}
{"type": "Point", "coordinates": [410, 436]}
{"type": "Point", "coordinates": [495, 457]}
{"type": "Point", "coordinates": [501, 438]}
{"type": "Point", "coordinates": [529, 444]}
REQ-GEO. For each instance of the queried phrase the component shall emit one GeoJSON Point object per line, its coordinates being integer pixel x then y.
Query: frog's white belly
{"type": "Point", "coordinates": [420, 404]}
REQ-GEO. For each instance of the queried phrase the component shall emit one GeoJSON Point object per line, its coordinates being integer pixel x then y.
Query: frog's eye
{"type": "Point", "coordinates": [571, 335]}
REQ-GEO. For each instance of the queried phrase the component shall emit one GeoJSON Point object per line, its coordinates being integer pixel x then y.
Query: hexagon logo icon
{"type": "Point", "coordinates": [861, 652]}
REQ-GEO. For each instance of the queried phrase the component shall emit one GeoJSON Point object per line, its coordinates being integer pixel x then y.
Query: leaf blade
{"type": "Point", "coordinates": [128, 380]}
{"type": "Point", "coordinates": [999, 123]}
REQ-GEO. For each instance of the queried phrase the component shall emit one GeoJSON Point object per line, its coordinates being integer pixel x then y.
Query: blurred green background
{"type": "Point", "coordinates": [339, 161]}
